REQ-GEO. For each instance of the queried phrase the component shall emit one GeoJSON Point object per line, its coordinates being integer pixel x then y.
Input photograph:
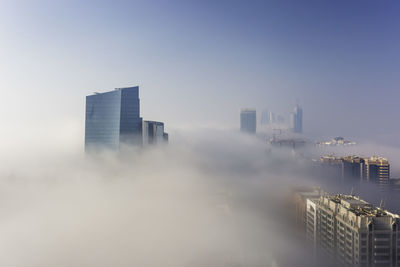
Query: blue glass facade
{"type": "Point", "coordinates": [296, 120]}
{"type": "Point", "coordinates": [248, 121]}
{"type": "Point", "coordinates": [113, 118]}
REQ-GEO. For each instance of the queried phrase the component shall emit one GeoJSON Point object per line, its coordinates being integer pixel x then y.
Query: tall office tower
{"type": "Point", "coordinates": [264, 117]}
{"type": "Point", "coordinates": [296, 120]}
{"type": "Point", "coordinates": [353, 232]}
{"type": "Point", "coordinates": [153, 132]}
{"type": "Point", "coordinates": [248, 121]}
{"type": "Point", "coordinates": [113, 118]}
{"type": "Point", "coordinates": [376, 170]}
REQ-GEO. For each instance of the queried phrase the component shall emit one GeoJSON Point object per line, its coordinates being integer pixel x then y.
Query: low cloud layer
{"type": "Point", "coordinates": [209, 198]}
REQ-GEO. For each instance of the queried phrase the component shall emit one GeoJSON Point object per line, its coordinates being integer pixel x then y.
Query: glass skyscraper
{"type": "Point", "coordinates": [248, 121]}
{"type": "Point", "coordinates": [296, 120]}
{"type": "Point", "coordinates": [113, 118]}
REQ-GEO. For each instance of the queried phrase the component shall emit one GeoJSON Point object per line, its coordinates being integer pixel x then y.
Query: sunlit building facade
{"type": "Point", "coordinates": [353, 232]}
{"type": "Point", "coordinates": [376, 170]}
{"type": "Point", "coordinates": [113, 118]}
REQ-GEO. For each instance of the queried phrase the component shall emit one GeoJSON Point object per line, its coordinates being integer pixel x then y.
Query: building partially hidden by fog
{"type": "Point", "coordinates": [296, 120]}
{"type": "Point", "coordinates": [248, 120]}
{"type": "Point", "coordinates": [352, 231]}
{"type": "Point", "coordinates": [376, 170]}
{"type": "Point", "coordinates": [153, 133]}
{"type": "Point", "coordinates": [357, 169]}
{"type": "Point", "coordinates": [113, 120]}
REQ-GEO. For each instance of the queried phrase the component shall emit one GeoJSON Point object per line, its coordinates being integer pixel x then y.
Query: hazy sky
{"type": "Point", "coordinates": [198, 62]}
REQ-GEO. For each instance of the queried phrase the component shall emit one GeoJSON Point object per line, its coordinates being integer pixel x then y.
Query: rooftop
{"type": "Point", "coordinates": [360, 207]}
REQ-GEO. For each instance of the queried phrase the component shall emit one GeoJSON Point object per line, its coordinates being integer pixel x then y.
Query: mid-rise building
{"type": "Point", "coordinates": [353, 232]}
{"type": "Point", "coordinates": [376, 170]}
{"type": "Point", "coordinates": [153, 133]}
{"type": "Point", "coordinates": [348, 168]}
{"type": "Point", "coordinates": [113, 118]}
{"type": "Point", "coordinates": [356, 169]}
{"type": "Point", "coordinates": [296, 120]}
{"type": "Point", "coordinates": [248, 121]}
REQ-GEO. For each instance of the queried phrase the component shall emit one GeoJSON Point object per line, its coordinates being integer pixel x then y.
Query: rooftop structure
{"type": "Point", "coordinates": [337, 141]}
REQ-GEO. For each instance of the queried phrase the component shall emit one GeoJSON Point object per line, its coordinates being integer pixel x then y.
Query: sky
{"type": "Point", "coordinates": [198, 62]}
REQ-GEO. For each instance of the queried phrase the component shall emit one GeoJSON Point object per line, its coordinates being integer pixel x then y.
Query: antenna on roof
{"type": "Point", "coordinates": [380, 205]}
{"type": "Point", "coordinates": [351, 192]}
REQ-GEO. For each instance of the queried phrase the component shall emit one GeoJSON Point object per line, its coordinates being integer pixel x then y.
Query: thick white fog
{"type": "Point", "coordinates": [209, 198]}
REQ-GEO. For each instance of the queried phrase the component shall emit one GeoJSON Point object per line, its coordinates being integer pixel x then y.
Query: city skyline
{"type": "Point", "coordinates": [280, 52]}
{"type": "Point", "coordinates": [90, 177]}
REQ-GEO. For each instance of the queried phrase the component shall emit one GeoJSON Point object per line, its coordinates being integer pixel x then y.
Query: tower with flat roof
{"type": "Point", "coordinates": [376, 170]}
{"type": "Point", "coordinates": [248, 120]}
{"type": "Point", "coordinates": [113, 119]}
{"type": "Point", "coordinates": [296, 120]}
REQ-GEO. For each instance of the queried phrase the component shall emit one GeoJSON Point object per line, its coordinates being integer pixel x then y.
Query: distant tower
{"type": "Point", "coordinates": [264, 117]}
{"type": "Point", "coordinates": [248, 121]}
{"type": "Point", "coordinates": [296, 120]}
{"type": "Point", "coordinates": [271, 117]}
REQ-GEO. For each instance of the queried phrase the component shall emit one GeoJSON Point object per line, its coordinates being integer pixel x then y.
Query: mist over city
{"type": "Point", "coordinates": [199, 133]}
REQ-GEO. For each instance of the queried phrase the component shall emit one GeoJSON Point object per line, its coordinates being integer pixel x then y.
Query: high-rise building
{"type": "Point", "coordinates": [353, 232]}
{"type": "Point", "coordinates": [376, 170]}
{"type": "Point", "coordinates": [352, 168]}
{"type": "Point", "coordinates": [348, 168]}
{"type": "Point", "coordinates": [356, 169]}
{"type": "Point", "coordinates": [248, 120]}
{"type": "Point", "coordinates": [113, 118]}
{"type": "Point", "coordinates": [296, 120]}
{"type": "Point", "coordinates": [153, 132]}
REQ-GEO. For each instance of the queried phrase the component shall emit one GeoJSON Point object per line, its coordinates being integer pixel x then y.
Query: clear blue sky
{"type": "Point", "coordinates": [198, 62]}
